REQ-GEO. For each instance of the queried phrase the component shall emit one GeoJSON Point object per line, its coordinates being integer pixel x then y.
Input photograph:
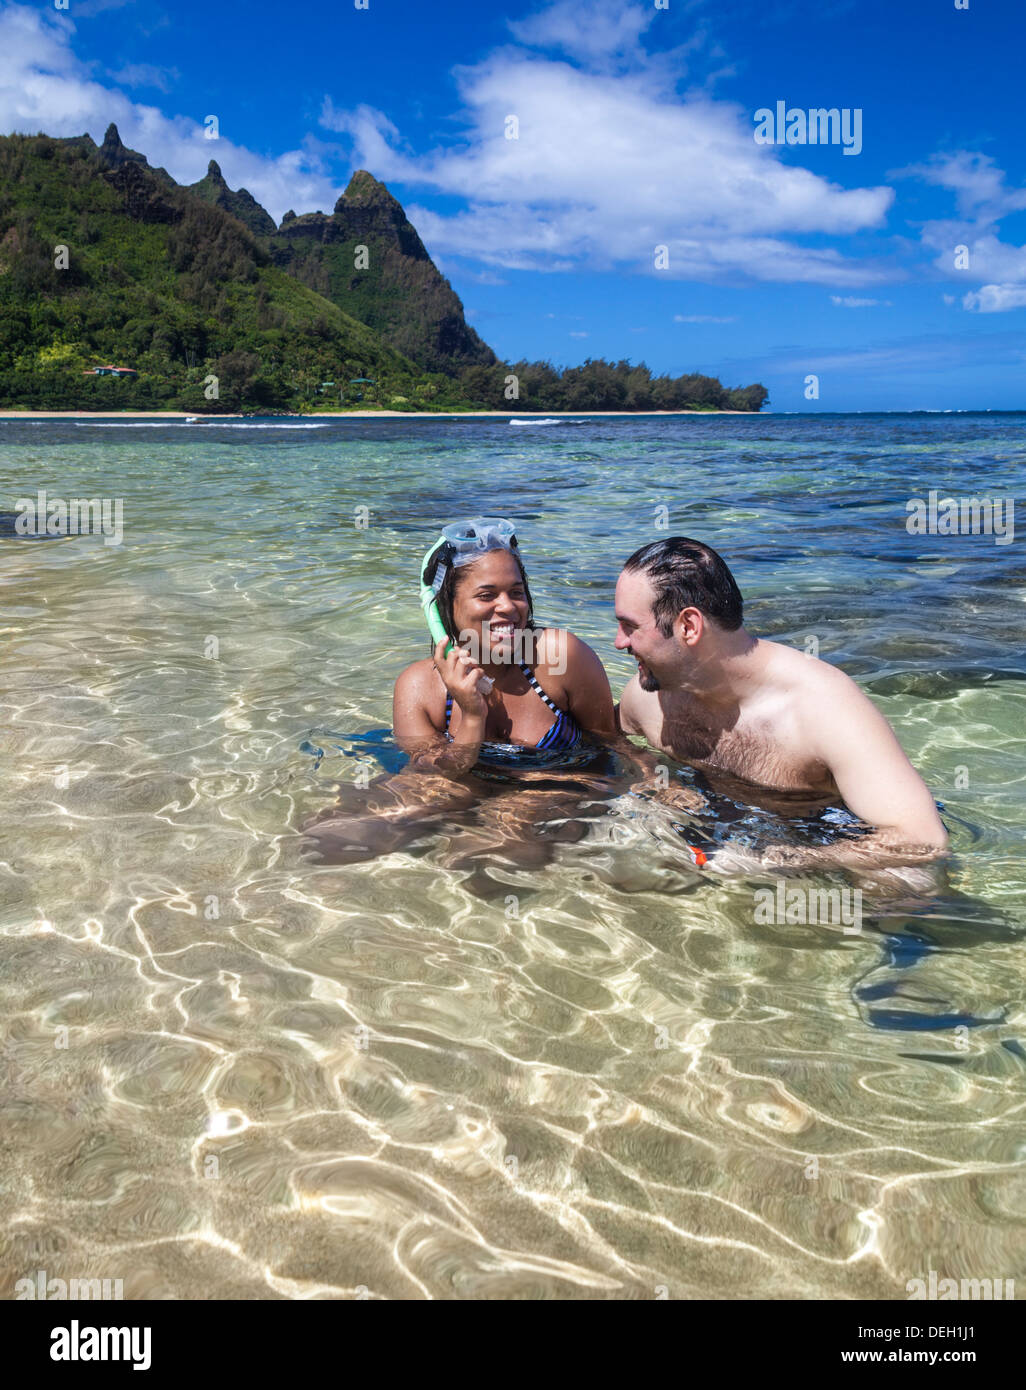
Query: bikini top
{"type": "Point", "coordinates": [563, 735]}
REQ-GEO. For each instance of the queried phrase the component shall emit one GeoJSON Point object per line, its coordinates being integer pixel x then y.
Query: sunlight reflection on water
{"type": "Point", "coordinates": [229, 1071]}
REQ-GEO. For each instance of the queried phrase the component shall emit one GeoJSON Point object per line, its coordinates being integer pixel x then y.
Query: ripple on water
{"type": "Point", "coordinates": [589, 1076]}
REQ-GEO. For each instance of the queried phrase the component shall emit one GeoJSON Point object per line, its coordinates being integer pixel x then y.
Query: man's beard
{"type": "Point", "coordinates": [646, 679]}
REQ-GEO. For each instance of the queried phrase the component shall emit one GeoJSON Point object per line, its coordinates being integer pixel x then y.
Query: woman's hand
{"type": "Point", "coordinates": [461, 674]}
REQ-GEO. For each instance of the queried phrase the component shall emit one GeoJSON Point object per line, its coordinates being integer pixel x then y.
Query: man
{"type": "Point", "coordinates": [709, 693]}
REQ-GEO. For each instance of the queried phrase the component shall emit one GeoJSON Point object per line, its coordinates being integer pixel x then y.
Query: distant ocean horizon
{"type": "Point", "coordinates": [13, 413]}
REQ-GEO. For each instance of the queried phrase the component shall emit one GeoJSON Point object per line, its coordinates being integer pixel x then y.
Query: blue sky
{"type": "Point", "coordinates": [636, 129]}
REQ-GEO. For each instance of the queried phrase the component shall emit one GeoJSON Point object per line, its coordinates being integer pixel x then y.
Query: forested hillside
{"type": "Point", "coordinates": [106, 261]}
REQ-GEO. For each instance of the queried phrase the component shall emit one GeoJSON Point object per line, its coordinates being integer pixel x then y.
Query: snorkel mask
{"type": "Point", "coordinates": [459, 544]}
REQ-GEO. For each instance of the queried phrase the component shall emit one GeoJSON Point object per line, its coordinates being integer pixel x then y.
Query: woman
{"type": "Point", "coordinates": [542, 689]}
{"type": "Point", "coordinates": [491, 717]}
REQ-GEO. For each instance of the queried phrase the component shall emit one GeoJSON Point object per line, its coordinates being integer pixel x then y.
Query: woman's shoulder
{"type": "Point", "coordinates": [420, 680]}
{"type": "Point", "coordinates": [557, 648]}
{"type": "Point", "coordinates": [571, 672]}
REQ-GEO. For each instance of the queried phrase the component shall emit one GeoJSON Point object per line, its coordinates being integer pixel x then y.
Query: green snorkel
{"type": "Point", "coordinates": [429, 599]}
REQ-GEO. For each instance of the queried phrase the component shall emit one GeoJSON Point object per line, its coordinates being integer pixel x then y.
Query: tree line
{"type": "Point", "coordinates": [601, 385]}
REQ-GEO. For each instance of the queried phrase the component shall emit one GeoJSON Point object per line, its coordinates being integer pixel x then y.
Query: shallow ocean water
{"type": "Point", "coordinates": [229, 1071]}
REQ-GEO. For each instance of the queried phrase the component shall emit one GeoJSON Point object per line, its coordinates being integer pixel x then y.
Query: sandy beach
{"type": "Point", "coordinates": [349, 414]}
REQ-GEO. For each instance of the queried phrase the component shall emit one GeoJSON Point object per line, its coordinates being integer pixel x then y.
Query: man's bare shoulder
{"type": "Point", "coordinates": [633, 703]}
{"type": "Point", "coordinates": [804, 674]}
{"type": "Point", "coordinates": [822, 705]}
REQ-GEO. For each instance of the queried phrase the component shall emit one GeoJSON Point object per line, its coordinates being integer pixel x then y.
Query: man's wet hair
{"type": "Point", "coordinates": [687, 574]}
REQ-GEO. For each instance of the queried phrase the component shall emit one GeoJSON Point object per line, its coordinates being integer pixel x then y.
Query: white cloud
{"type": "Point", "coordinates": [576, 334]}
{"type": "Point", "coordinates": [886, 362]}
{"type": "Point", "coordinates": [849, 301]}
{"type": "Point", "coordinates": [977, 182]}
{"type": "Point", "coordinates": [898, 357]}
{"type": "Point", "coordinates": [608, 38]}
{"type": "Point", "coordinates": [703, 318]}
{"type": "Point", "coordinates": [995, 299]}
{"type": "Point", "coordinates": [606, 167]}
{"type": "Point", "coordinates": [610, 29]}
{"type": "Point", "coordinates": [990, 258]}
{"type": "Point", "coordinates": [982, 199]}
{"type": "Point", "coordinates": [145, 75]}
{"type": "Point", "coordinates": [485, 277]}
{"type": "Point", "coordinates": [45, 87]}
{"type": "Point", "coordinates": [609, 164]}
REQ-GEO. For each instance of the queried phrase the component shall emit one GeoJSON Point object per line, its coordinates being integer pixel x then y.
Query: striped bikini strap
{"type": "Point", "coordinates": [538, 690]}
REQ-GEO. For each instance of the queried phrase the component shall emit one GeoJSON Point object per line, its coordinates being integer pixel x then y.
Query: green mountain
{"type": "Point", "coordinates": [105, 260]}
{"type": "Point", "coordinates": [115, 155]}
{"type": "Point", "coordinates": [241, 204]}
{"type": "Point", "coordinates": [368, 259]}
{"type": "Point", "coordinates": [159, 279]}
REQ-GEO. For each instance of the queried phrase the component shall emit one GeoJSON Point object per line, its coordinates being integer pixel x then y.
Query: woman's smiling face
{"type": "Point", "coordinates": [491, 601]}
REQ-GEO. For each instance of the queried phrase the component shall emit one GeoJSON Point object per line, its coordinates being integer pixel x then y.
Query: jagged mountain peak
{"type": "Point", "coordinates": [397, 291]}
{"type": "Point", "coordinates": [214, 188]}
{"type": "Point", "coordinates": [114, 148]}
{"type": "Point", "coordinates": [364, 190]}
{"type": "Point", "coordinates": [116, 154]}
{"type": "Point", "coordinates": [368, 209]}
{"type": "Point", "coordinates": [163, 282]}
